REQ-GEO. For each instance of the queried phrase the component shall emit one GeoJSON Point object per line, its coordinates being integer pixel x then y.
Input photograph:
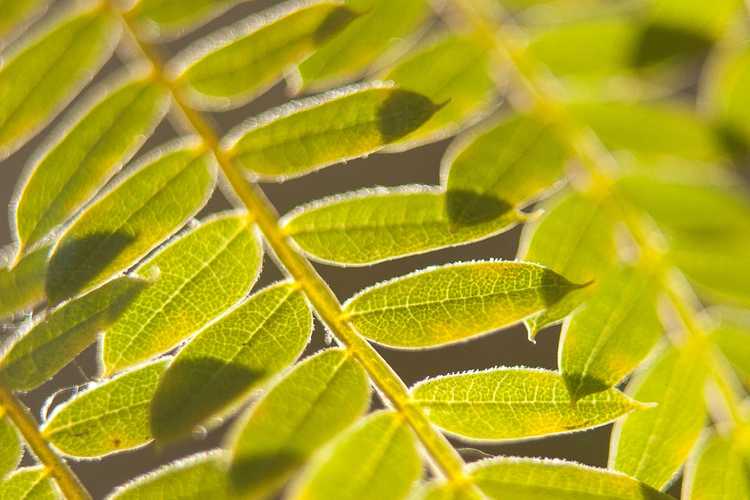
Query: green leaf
{"type": "Point", "coordinates": [719, 472]}
{"type": "Point", "coordinates": [10, 443]}
{"type": "Point", "coordinates": [308, 407]}
{"type": "Point", "coordinates": [240, 63]}
{"type": "Point", "coordinates": [732, 335]}
{"type": "Point", "coordinates": [374, 225]}
{"type": "Point", "coordinates": [438, 490]}
{"type": "Point", "coordinates": [229, 358]}
{"type": "Point", "coordinates": [514, 403]}
{"type": "Point", "coordinates": [17, 14]}
{"type": "Point", "coordinates": [166, 19]}
{"type": "Point", "coordinates": [29, 483]}
{"type": "Point", "coordinates": [652, 445]}
{"type": "Point", "coordinates": [133, 217]}
{"type": "Point", "coordinates": [106, 418]}
{"type": "Point", "coordinates": [387, 463]}
{"type": "Point", "coordinates": [438, 305]}
{"type": "Point", "coordinates": [611, 333]}
{"type": "Point", "coordinates": [22, 286]}
{"type": "Point", "coordinates": [452, 70]}
{"type": "Point", "coordinates": [199, 276]}
{"type": "Point", "coordinates": [310, 134]}
{"type": "Point", "coordinates": [65, 333]}
{"type": "Point", "coordinates": [696, 16]}
{"type": "Point", "coordinates": [574, 238]}
{"type": "Point", "coordinates": [381, 29]}
{"type": "Point", "coordinates": [52, 67]}
{"type": "Point", "coordinates": [86, 155]}
{"type": "Point", "coordinates": [508, 165]}
{"type": "Point", "coordinates": [198, 477]}
{"type": "Point", "coordinates": [533, 479]}
{"type": "Point", "coordinates": [727, 95]}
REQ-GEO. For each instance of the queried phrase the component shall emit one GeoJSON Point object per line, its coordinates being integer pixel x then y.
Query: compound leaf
{"type": "Point", "coordinates": [10, 443]}
{"type": "Point", "coordinates": [52, 66]}
{"type": "Point", "coordinates": [383, 447]}
{"type": "Point", "coordinates": [251, 58]}
{"type": "Point", "coordinates": [308, 407]}
{"type": "Point", "coordinates": [167, 19]}
{"type": "Point", "coordinates": [56, 340]}
{"type": "Point", "coordinates": [374, 225]}
{"type": "Point", "coordinates": [86, 155]}
{"type": "Point", "coordinates": [313, 133]}
{"type": "Point", "coordinates": [29, 483]}
{"type": "Point", "coordinates": [514, 403]}
{"type": "Point", "coordinates": [18, 13]}
{"type": "Point", "coordinates": [107, 418]}
{"type": "Point", "coordinates": [718, 472]}
{"type": "Point", "coordinates": [22, 285]}
{"type": "Point", "coordinates": [135, 216]}
{"type": "Point", "coordinates": [199, 276]}
{"type": "Point", "coordinates": [229, 358]}
{"type": "Point", "coordinates": [439, 305]}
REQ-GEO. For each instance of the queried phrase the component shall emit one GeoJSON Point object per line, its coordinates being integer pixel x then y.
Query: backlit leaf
{"type": "Point", "coordinates": [651, 445]}
{"type": "Point", "coordinates": [22, 286]}
{"type": "Point", "coordinates": [732, 335]}
{"type": "Point", "coordinates": [719, 472]}
{"type": "Point", "coordinates": [308, 135]}
{"type": "Point", "coordinates": [374, 225]}
{"type": "Point", "coordinates": [198, 276]}
{"type": "Point", "coordinates": [106, 418]}
{"type": "Point", "coordinates": [10, 443]}
{"type": "Point", "coordinates": [382, 27]}
{"type": "Point", "coordinates": [86, 155]}
{"type": "Point", "coordinates": [452, 70]}
{"type": "Point", "coordinates": [128, 221]}
{"type": "Point", "coordinates": [448, 491]}
{"type": "Point", "coordinates": [17, 13]}
{"type": "Point", "coordinates": [29, 483]}
{"type": "Point", "coordinates": [63, 334]}
{"type": "Point", "coordinates": [728, 93]}
{"type": "Point", "coordinates": [250, 58]}
{"type": "Point", "coordinates": [384, 449]}
{"type": "Point", "coordinates": [439, 305]}
{"type": "Point", "coordinates": [514, 403]}
{"type": "Point", "coordinates": [52, 65]}
{"type": "Point", "coordinates": [611, 333]}
{"type": "Point", "coordinates": [308, 407]}
{"type": "Point", "coordinates": [229, 358]}
{"type": "Point", "coordinates": [697, 16]}
{"type": "Point", "coordinates": [170, 18]}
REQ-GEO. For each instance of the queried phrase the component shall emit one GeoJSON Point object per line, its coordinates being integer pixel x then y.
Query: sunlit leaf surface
{"type": "Point", "coordinates": [22, 286]}
{"type": "Point", "coordinates": [718, 472]}
{"type": "Point", "coordinates": [10, 443]}
{"type": "Point", "coordinates": [29, 483]}
{"type": "Point", "coordinates": [170, 18]}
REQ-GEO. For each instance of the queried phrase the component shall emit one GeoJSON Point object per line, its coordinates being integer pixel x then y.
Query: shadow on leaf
{"type": "Point", "coordinates": [580, 386]}
{"type": "Point", "coordinates": [334, 22]}
{"type": "Point", "coordinates": [467, 208]}
{"type": "Point", "coordinates": [259, 476]}
{"type": "Point", "coordinates": [661, 43]}
{"type": "Point", "coordinates": [403, 112]}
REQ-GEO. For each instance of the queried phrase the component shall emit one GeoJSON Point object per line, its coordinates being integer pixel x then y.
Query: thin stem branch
{"type": "Point", "coordinates": [27, 425]}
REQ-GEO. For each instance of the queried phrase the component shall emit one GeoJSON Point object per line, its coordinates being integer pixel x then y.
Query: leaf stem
{"type": "Point", "coordinates": [444, 457]}
{"type": "Point", "coordinates": [27, 425]}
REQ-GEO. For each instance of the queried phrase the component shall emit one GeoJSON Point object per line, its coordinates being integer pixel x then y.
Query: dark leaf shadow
{"type": "Point", "coordinates": [260, 476]}
{"type": "Point", "coordinates": [403, 112]}
{"type": "Point", "coordinates": [334, 22]}
{"type": "Point", "coordinates": [660, 43]}
{"type": "Point", "coordinates": [467, 208]}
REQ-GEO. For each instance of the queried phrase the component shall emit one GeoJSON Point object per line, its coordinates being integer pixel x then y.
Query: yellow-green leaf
{"type": "Point", "coordinates": [18, 13]}
{"type": "Point", "coordinates": [106, 418]}
{"type": "Point", "coordinates": [86, 155]}
{"type": "Point", "coordinates": [727, 95]}
{"type": "Point", "coordinates": [167, 19]}
{"type": "Point", "coordinates": [22, 286]}
{"type": "Point", "coordinates": [732, 335]}
{"type": "Point", "coordinates": [439, 305]}
{"type": "Point", "coordinates": [62, 335]}
{"type": "Point", "coordinates": [196, 278]}
{"type": "Point", "coordinates": [136, 215]}
{"type": "Point", "coordinates": [308, 407]}
{"type": "Point", "coordinates": [229, 358]}
{"type": "Point", "coordinates": [718, 472]}
{"type": "Point", "coordinates": [51, 66]}
{"type": "Point", "coordinates": [514, 403]}
{"type": "Point", "coordinates": [245, 61]}
{"type": "Point", "coordinates": [709, 20]}
{"type": "Point", "coordinates": [10, 443]}
{"type": "Point", "coordinates": [29, 483]}
{"type": "Point", "coordinates": [387, 463]}
{"type": "Point", "coordinates": [374, 225]}
{"type": "Point", "coordinates": [439, 490]}
{"type": "Point", "coordinates": [310, 134]}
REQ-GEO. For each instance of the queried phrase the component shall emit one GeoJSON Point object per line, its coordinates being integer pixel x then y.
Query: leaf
{"type": "Point", "coordinates": [229, 358]}
{"type": "Point", "coordinates": [719, 472]}
{"type": "Point", "coordinates": [29, 483]}
{"type": "Point", "coordinates": [384, 449]}
{"type": "Point", "coordinates": [200, 476]}
{"type": "Point", "coordinates": [611, 333]}
{"type": "Point", "coordinates": [58, 339]}
{"type": "Point", "coordinates": [199, 276]}
{"type": "Point", "coordinates": [380, 29]}
{"type": "Point", "coordinates": [310, 134]}
{"type": "Point", "coordinates": [514, 403]}
{"type": "Point", "coordinates": [107, 418]}
{"type": "Point", "coordinates": [17, 14]}
{"type": "Point", "coordinates": [727, 93]}
{"type": "Point", "coordinates": [732, 335]}
{"type": "Point", "coordinates": [439, 305]}
{"type": "Point", "coordinates": [10, 443]}
{"type": "Point", "coordinates": [436, 490]}
{"type": "Point", "coordinates": [508, 165]}
{"type": "Point", "coordinates": [315, 402]}
{"type": "Point", "coordinates": [652, 445]}
{"type": "Point", "coordinates": [22, 286]}
{"type": "Point", "coordinates": [696, 16]}
{"type": "Point", "coordinates": [241, 62]}
{"type": "Point", "coordinates": [52, 65]}
{"type": "Point", "coordinates": [133, 217]}
{"type": "Point", "coordinates": [574, 238]}
{"type": "Point", "coordinates": [374, 225]}
{"type": "Point", "coordinates": [166, 19]}
{"type": "Point", "coordinates": [534, 479]}
{"type": "Point", "coordinates": [86, 155]}
{"type": "Point", "coordinates": [452, 70]}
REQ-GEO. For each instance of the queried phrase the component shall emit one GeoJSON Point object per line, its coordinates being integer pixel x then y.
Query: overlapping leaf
{"type": "Point", "coordinates": [732, 335]}
{"type": "Point", "coordinates": [17, 13]}
{"type": "Point", "coordinates": [728, 93]}
{"type": "Point", "coordinates": [719, 471]}
{"type": "Point", "coordinates": [22, 285]}
{"type": "Point", "coordinates": [10, 443]}
{"type": "Point", "coordinates": [29, 483]}
{"type": "Point", "coordinates": [166, 19]}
